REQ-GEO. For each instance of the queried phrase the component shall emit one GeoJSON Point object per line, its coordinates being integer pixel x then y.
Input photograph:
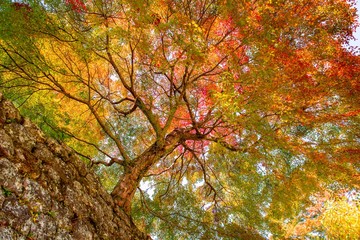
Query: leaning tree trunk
{"type": "Point", "coordinates": [47, 192]}
{"type": "Point", "coordinates": [129, 181]}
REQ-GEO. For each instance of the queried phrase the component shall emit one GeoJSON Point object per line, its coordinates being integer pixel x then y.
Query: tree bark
{"type": "Point", "coordinates": [47, 192]}
{"type": "Point", "coordinates": [130, 180]}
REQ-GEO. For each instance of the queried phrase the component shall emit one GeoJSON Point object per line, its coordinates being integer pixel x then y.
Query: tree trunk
{"type": "Point", "coordinates": [130, 180]}
{"type": "Point", "coordinates": [48, 193]}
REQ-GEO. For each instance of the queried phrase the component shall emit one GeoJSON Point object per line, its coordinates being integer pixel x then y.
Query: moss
{"type": "Point", "coordinates": [6, 191]}
{"type": "Point", "coordinates": [51, 214]}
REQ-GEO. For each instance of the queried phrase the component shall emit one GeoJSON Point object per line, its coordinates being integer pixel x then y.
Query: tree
{"type": "Point", "coordinates": [232, 112]}
{"type": "Point", "coordinates": [333, 215]}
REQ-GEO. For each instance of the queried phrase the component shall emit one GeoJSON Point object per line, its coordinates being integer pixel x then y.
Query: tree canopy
{"type": "Point", "coordinates": [205, 119]}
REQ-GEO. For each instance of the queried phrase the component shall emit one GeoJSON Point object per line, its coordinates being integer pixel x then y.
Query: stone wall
{"type": "Point", "coordinates": [47, 192]}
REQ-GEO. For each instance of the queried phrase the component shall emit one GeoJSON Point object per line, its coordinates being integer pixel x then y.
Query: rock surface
{"type": "Point", "coordinates": [47, 192]}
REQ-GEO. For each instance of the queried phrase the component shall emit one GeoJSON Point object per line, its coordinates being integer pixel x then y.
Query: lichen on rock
{"type": "Point", "coordinates": [49, 193]}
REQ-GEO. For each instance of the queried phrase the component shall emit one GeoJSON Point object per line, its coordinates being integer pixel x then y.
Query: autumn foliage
{"type": "Point", "coordinates": [76, 5]}
{"type": "Point", "coordinates": [204, 118]}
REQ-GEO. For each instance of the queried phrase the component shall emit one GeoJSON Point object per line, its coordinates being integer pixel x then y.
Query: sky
{"type": "Point", "coordinates": [357, 33]}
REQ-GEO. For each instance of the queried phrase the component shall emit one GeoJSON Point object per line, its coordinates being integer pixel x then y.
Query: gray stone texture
{"type": "Point", "coordinates": [47, 192]}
